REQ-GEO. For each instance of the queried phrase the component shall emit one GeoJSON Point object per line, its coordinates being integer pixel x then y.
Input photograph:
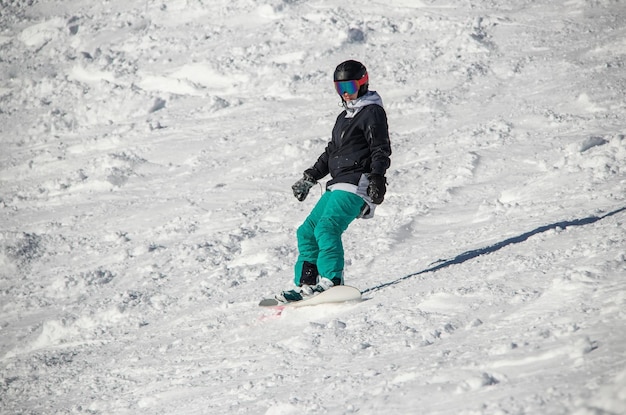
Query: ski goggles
{"type": "Point", "coordinates": [351, 86]}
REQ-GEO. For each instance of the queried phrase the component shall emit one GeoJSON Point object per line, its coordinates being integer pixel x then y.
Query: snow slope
{"type": "Point", "coordinates": [148, 149]}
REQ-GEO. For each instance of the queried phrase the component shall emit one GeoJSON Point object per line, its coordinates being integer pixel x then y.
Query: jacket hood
{"type": "Point", "coordinates": [353, 107]}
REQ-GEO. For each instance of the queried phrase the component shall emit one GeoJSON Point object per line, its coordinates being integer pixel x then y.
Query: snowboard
{"type": "Point", "coordinates": [336, 294]}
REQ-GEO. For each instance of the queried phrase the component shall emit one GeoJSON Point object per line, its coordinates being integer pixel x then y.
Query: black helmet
{"type": "Point", "coordinates": [352, 71]}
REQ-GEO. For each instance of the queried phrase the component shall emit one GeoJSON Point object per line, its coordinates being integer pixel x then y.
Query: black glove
{"type": "Point", "coordinates": [377, 188]}
{"type": "Point", "coordinates": [301, 187]}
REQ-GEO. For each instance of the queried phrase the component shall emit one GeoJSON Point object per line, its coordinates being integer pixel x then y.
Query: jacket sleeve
{"type": "Point", "coordinates": [377, 135]}
{"type": "Point", "coordinates": [320, 168]}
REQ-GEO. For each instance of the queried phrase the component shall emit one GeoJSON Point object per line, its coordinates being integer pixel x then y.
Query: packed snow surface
{"type": "Point", "coordinates": [147, 153]}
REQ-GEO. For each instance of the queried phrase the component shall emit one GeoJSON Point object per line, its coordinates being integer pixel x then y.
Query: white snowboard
{"type": "Point", "coordinates": [336, 294]}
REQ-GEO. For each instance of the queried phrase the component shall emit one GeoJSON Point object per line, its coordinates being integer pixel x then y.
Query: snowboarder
{"type": "Point", "coordinates": [357, 158]}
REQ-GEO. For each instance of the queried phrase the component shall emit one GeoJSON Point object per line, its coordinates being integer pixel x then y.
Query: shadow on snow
{"type": "Point", "coordinates": [466, 256]}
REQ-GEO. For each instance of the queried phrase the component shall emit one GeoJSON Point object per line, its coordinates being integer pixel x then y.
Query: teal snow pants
{"type": "Point", "coordinates": [319, 237]}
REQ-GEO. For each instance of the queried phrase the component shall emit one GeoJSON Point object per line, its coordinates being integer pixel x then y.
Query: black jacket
{"type": "Point", "coordinates": [359, 145]}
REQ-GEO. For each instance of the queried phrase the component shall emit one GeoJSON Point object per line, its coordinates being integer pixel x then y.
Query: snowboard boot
{"type": "Point", "coordinates": [304, 292]}
{"type": "Point", "coordinates": [311, 290]}
{"type": "Point", "coordinates": [309, 274]}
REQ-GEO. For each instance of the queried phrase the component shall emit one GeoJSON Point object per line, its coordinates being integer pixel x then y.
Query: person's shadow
{"type": "Point", "coordinates": [466, 256]}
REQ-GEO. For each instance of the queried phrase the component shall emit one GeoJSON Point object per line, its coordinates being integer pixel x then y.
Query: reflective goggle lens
{"type": "Point", "coordinates": [351, 86]}
{"type": "Point", "coordinates": [346, 86]}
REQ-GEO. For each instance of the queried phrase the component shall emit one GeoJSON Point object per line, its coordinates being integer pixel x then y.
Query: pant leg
{"type": "Point", "coordinates": [307, 244]}
{"type": "Point", "coordinates": [339, 211]}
